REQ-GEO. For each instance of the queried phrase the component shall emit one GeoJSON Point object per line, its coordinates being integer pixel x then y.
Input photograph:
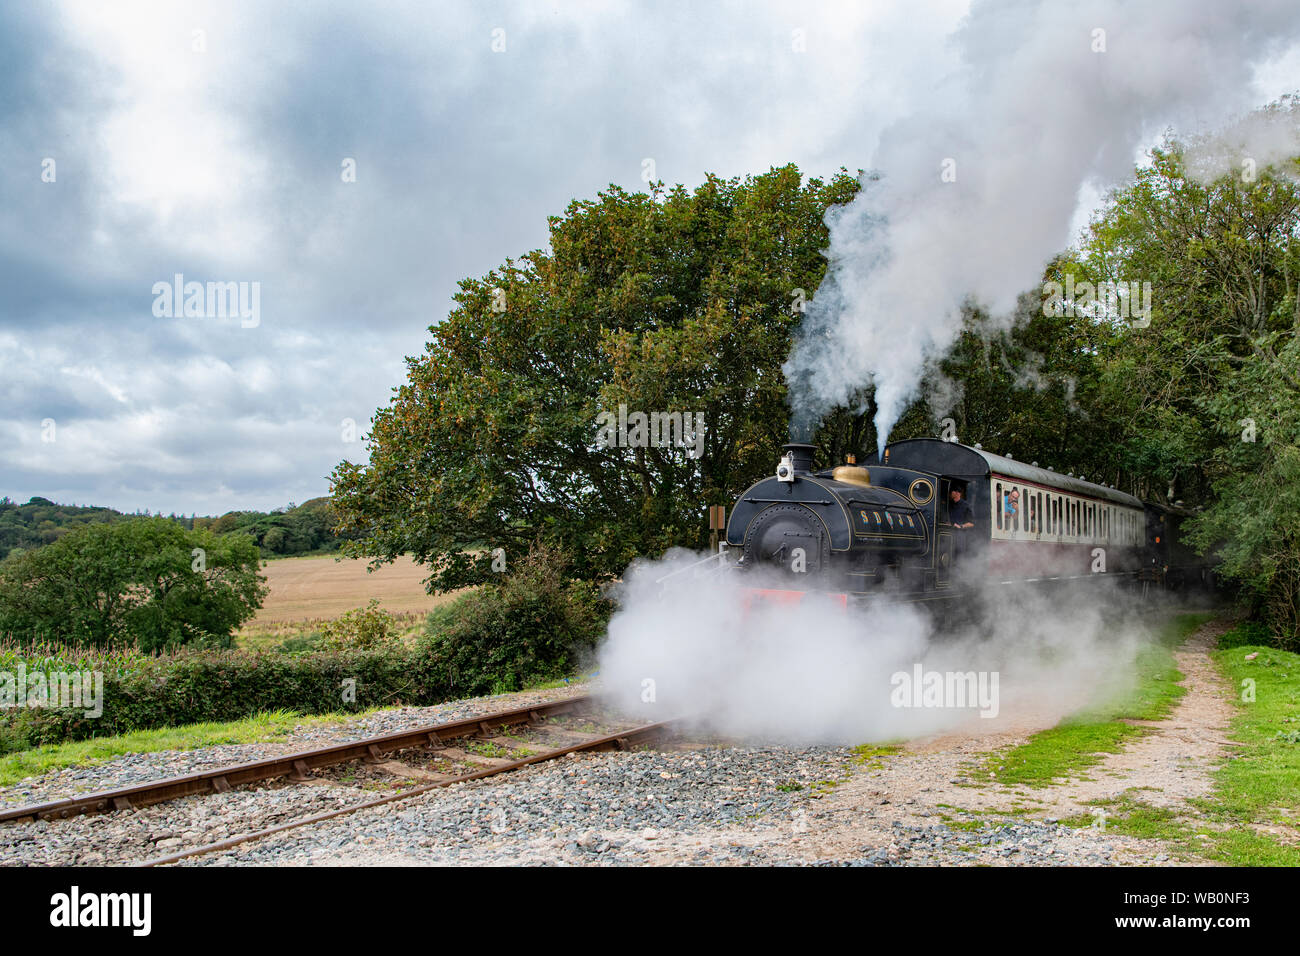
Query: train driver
{"type": "Point", "coordinates": [959, 515]}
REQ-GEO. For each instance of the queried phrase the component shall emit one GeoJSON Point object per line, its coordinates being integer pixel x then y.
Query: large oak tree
{"type": "Point", "coordinates": [673, 301]}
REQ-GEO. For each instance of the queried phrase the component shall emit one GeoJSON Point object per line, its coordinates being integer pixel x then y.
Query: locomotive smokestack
{"type": "Point", "coordinates": [801, 456]}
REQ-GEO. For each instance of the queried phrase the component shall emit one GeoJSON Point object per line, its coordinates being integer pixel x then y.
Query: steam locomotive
{"type": "Point", "coordinates": [893, 528]}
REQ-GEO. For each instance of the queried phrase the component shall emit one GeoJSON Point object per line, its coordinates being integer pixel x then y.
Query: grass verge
{"type": "Point", "coordinates": [1259, 784]}
{"type": "Point", "coordinates": [261, 728]}
{"type": "Point", "coordinates": [1079, 742]}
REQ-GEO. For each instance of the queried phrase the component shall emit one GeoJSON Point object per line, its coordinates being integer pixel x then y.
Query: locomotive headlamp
{"type": "Point", "coordinates": [785, 469]}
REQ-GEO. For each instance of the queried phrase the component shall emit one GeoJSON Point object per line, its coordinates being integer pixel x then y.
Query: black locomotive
{"type": "Point", "coordinates": [930, 519]}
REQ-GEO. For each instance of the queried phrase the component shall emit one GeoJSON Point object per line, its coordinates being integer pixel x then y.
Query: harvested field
{"type": "Point", "coordinates": [325, 587]}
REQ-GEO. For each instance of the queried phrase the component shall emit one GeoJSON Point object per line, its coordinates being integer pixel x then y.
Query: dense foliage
{"type": "Point", "coordinates": [677, 301]}
{"type": "Point", "coordinates": [672, 302]}
{"type": "Point", "coordinates": [143, 693]}
{"type": "Point", "coordinates": [363, 628]}
{"type": "Point", "coordinates": [536, 624]}
{"type": "Point", "coordinates": [297, 529]}
{"type": "Point", "coordinates": [1209, 395]}
{"type": "Point", "coordinates": [143, 581]}
{"type": "Point", "coordinates": [41, 521]}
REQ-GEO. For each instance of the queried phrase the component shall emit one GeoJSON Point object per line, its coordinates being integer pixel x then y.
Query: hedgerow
{"type": "Point", "coordinates": [185, 688]}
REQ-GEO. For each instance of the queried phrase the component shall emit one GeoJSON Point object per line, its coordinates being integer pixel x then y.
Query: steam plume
{"type": "Point", "coordinates": [978, 188]}
{"type": "Point", "coordinates": [818, 674]}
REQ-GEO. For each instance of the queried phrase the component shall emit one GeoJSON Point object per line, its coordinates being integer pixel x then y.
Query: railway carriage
{"type": "Point", "coordinates": [883, 529]}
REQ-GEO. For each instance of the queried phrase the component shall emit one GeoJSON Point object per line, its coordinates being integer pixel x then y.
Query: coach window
{"type": "Point", "coordinates": [997, 503]}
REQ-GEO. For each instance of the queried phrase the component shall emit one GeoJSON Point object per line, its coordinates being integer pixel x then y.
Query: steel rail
{"type": "Point", "coordinates": [616, 741]}
{"type": "Point", "coordinates": [297, 765]}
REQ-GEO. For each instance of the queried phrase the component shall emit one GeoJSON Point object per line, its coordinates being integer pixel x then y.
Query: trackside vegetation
{"type": "Point", "coordinates": [535, 625]}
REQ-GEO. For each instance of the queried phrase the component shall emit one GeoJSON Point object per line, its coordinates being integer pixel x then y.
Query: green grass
{"type": "Point", "coordinates": [1081, 741]}
{"type": "Point", "coordinates": [1262, 779]}
{"type": "Point", "coordinates": [872, 756]}
{"type": "Point", "coordinates": [561, 682]}
{"type": "Point", "coordinates": [486, 748]}
{"type": "Point", "coordinates": [259, 729]}
{"type": "Point", "coordinates": [954, 824]}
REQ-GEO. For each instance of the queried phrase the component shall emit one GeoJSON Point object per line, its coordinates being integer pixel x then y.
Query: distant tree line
{"type": "Point", "coordinates": [297, 529]}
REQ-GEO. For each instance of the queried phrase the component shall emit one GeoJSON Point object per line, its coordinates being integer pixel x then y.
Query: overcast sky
{"type": "Point", "coordinates": [209, 140]}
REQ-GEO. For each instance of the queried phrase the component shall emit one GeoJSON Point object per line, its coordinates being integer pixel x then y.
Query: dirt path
{"type": "Point", "coordinates": [921, 807]}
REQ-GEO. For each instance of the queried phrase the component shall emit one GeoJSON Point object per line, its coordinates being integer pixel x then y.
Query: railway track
{"type": "Point", "coordinates": [428, 742]}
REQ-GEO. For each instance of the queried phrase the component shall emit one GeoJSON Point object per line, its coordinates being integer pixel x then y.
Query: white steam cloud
{"type": "Point", "coordinates": [977, 189]}
{"type": "Point", "coordinates": [820, 674]}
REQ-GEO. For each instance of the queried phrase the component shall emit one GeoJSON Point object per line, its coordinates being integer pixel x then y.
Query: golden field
{"type": "Point", "coordinates": [319, 588]}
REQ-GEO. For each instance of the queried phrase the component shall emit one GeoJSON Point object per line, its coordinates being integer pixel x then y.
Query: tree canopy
{"type": "Point", "coordinates": [142, 581]}
{"type": "Point", "coordinates": [682, 301]}
{"type": "Point", "coordinates": [673, 302]}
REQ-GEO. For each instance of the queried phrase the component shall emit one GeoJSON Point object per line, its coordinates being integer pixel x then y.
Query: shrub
{"type": "Point", "coordinates": [535, 625]}
{"type": "Point", "coordinates": [300, 643]}
{"type": "Point", "coordinates": [1245, 634]}
{"type": "Point", "coordinates": [362, 628]}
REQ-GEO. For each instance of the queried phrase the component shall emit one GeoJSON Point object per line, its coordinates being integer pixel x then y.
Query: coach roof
{"type": "Point", "coordinates": [951, 458]}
